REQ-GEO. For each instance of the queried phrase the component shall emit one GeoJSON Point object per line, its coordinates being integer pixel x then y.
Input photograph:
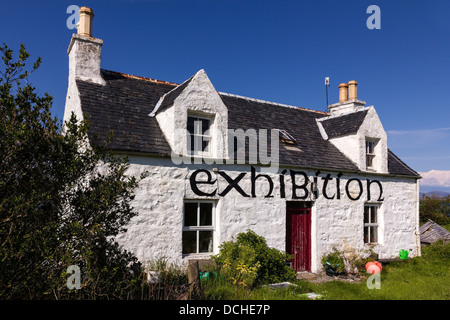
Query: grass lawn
{"type": "Point", "coordinates": [421, 278]}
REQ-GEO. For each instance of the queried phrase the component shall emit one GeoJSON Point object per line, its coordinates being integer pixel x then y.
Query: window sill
{"type": "Point", "coordinates": [195, 256]}
{"type": "Point", "coordinates": [374, 244]}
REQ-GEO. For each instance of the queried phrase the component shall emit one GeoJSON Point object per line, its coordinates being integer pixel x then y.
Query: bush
{"type": "Point", "coordinates": [57, 209]}
{"type": "Point", "coordinates": [251, 250]}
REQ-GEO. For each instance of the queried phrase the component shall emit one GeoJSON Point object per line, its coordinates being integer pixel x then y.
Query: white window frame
{"type": "Point", "coordinates": [192, 151]}
{"type": "Point", "coordinates": [199, 228]}
{"type": "Point", "coordinates": [370, 154]}
{"type": "Point", "coordinates": [369, 224]}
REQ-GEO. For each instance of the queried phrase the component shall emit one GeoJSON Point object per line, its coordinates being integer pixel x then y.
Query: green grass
{"type": "Point", "coordinates": [221, 290]}
{"type": "Point", "coordinates": [421, 278]}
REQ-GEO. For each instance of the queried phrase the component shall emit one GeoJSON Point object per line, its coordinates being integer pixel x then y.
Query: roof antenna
{"type": "Point", "coordinates": [327, 84]}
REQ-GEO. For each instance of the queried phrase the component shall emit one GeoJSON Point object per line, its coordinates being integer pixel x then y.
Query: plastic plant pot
{"type": "Point", "coordinates": [331, 270]}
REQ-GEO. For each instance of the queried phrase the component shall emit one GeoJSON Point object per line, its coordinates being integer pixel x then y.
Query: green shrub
{"type": "Point", "coordinates": [251, 250]}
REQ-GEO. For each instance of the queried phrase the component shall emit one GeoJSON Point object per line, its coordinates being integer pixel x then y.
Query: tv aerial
{"type": "Point", "coordinates": [327, 84]}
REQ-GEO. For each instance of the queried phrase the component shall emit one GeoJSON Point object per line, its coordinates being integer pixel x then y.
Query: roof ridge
{"type": "Point", "coordinates": [130, 76]}
{"type": "Point", "coordinates": [270, 102]}
{"type": "Point", "coordinates": [127, 75]}
{"type": "Point", "coordinates": [334, 116]}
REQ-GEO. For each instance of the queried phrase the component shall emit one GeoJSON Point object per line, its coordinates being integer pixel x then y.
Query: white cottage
{"type": "Point", "coordinates": [219, 164]}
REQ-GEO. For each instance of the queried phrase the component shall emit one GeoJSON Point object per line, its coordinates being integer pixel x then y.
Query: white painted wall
{"type": "Point", "coordinates": [157, 230]}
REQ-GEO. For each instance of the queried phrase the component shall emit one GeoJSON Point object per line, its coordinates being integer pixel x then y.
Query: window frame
{"type": "Point", "coordinates": [370, 155]}
{"type": "Point", "coordinates": [198, 228]}
{"type": "Point", "coordinates": [191, 151]}
{"type": "Point", "coordinates": [368, 225]}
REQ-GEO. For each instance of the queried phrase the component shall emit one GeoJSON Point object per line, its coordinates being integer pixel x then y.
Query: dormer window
{"type": "Point", "coordinates": [370, 154]}
{"type": "Point", "coordinates": [199, 139]}
{"type": "Point", "coordinates": [286, 137]}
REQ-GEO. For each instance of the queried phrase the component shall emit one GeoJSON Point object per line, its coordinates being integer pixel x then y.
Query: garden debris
{"type": "Point", "coordinates": [309, 295]}
{"type": "Point", "coordinates": [280, 285]}
{"type": "Point", "coordinates": [312, 295]}
{"type": "Point", "coordinates": [323, 277]}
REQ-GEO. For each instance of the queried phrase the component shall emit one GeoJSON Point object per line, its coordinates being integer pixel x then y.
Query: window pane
{"type": "Point", "coordinates": [205, 146]}
{"type": "Point", "coordinates": [205, 241]}
{"type": "Point", "coordinates": [190, 144]}
{"type": "Point", "coordinates": [190, 214]}
{"type": "Point", "coordinates": [206, 214]}
{"type": "Point", "coordinates": [373, 215]}
{"type": "Point", "coordinates": [366, 234]}
{"type": "Point", "coordinates": [366, 214]}
{"type": "Point", "coordinates": [191, 125]}
{"type": "Point", "coordinates": [189, 242]}
{"type": "Point", "coordinates": [204, 125]}
{"type": "Point", "coordinates": [197, 143]}
{"type": "Point", "coordinates": [369, 161]}
{"type": "Point", "coordinates": [369, 146]}
{"type": "Point", "coordinates": [373, 234]}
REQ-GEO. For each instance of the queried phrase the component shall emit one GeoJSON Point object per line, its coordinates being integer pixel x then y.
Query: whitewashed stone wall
{"type": "Point", "coordinates": [157, 230]}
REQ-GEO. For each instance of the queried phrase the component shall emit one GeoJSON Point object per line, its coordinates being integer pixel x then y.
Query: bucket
{"type": "Point", "coordinates": [403, 254]}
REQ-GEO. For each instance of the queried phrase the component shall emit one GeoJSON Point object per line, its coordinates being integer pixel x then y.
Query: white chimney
{"type": "Point", "coordinates": [85, 51]}
{"type": "Point", "coordinates": [84, 62]}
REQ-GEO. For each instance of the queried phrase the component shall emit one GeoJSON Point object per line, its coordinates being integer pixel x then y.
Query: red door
{"type": "Point", "coordinates": [298, 235]}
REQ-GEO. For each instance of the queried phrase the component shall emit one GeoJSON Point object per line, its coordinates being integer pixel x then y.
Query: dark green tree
{"type": "Point", "coordinates": [62, 199]}
{"type": "Point", "coordinates": [436, 209]}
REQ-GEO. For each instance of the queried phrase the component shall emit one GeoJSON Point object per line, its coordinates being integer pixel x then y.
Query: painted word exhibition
{"type": "Point", "coordinates": [302, 187]}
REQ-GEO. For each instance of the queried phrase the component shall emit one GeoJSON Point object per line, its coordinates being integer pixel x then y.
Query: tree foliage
{"type": "Point", "coordinates": [62, 200]}
{"type": "Point", "coordinates": [436, 209]}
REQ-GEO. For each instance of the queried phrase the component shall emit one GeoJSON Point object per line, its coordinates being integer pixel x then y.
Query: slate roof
{"type": "Point", "coordinates": [345, 124]}
{"type": "Point", "coordinates": [397, 166]}
{"type": "Point", "coordinates": [124, 103]}
{"type": "Point", "coordinates": [168, 98]}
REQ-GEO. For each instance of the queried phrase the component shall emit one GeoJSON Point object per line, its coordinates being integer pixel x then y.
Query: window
{"type": "Point", "coordinates": [198, 227]}
{"type": "Point", "coordinates": [370, 153]}
{"type": "Point", "coordinates": [199, 140]}
{"type": "Point", "coordinates": [371, 223]}
{"type": "Point", "coordinates": [286, 137]}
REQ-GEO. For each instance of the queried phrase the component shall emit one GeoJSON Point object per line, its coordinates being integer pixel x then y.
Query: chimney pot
{"type": "Point", "coordinates": [85, 23]}
{"type": "Point", "coordinates": [352, 94]}
{"type": "Point", "coordinates": [343, 92]}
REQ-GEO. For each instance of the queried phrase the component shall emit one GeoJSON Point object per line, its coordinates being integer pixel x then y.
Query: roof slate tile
{"type": "Point", "coordinates": [124, 103]}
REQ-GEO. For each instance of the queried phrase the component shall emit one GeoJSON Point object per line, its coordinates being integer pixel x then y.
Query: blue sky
{"type": "Point", "coordinates": [273, 50]}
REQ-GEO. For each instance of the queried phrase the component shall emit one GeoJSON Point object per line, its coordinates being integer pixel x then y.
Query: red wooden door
{"type": "Point", "coordinates": [298, 236]}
